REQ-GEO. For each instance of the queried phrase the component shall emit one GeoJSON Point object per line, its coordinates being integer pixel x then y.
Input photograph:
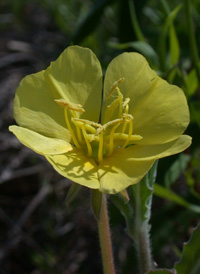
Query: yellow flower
{"type": "Point", "coordinates": [102, 141]}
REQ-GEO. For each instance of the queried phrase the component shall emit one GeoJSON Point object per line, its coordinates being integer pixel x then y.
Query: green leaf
{"type": "Point", "coordinates": [167, 194]}
{"type": "Point", "coordinates": [126, 210]}
{"type": "Point", "coordinates": [170, 18]}
{"type": "Point", "coordinates": [174, 46]}
{"type": "Point", "coordinates": [146, 192]}
{"type": "Point", "coordinates": [176, 169]}
{"type": "Point", "coordinates": [191, 82]}
{"type": "Point", "coordinates": [72, 193]}
{"type": "Point", "coordinates": [161, 271]}
{"type": "Point", "coordinates": [96, 203]}
{"type": "Point", "coordinates": [162, 43]}
{"type": "Point", "coordinates": [190, 260]}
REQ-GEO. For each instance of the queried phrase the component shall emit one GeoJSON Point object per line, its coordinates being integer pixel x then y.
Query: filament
{"type": "Point", "coordinates": [87, 141]}
{"type": "Point", "coordinates": [70, 129]}
{"type": "Point", "coordinates": [110, 146]}
{"type": "Point", "coordinates": [129, 134]}
{"type": "Point", "coordinates": [77, 128]}
{"type": "Point", "coordinates": [125, 124]}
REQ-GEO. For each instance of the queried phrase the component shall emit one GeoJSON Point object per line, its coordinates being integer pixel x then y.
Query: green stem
{"type": "Point", "coordinates": [142, 240]}
{"type": "Point", "coordinates": [105, 239]}
{"type": "Point", "coordinates": [192, 40]}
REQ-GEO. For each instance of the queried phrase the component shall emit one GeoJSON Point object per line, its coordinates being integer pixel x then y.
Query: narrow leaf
{"type": "Point", "coordinates": [146, 190]}
{"type": "Point", "coordinates": [162, 42]}
{"type": "Point", "coordinates": [126, 210]}
{"type": "Point", "coordinates": [174, 46]}
{"type": "Point", "coordinates": [176, 169]}
{"type": "Point", "coordinates": [167, 194]}
{"type": "Point", "coordinates": [170, 18]}
{"type": "Point", "coordinates": [190, 260]}
{"type": "Point", "coordinates": [191, 82]}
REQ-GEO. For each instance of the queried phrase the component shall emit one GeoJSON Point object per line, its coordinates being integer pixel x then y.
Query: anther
{"type": "Point", "coordinates": [89, 125]}
{"type": "Point", "coordinates": [110, 123]}
{"type": "Point", "coordinates": [116, 83]}
{"type": "Point", "coordinates": [127, 117]}
{"type": "Point", "coordinates": [71, 106]}
{"type": "Point", "coordinates": [126, 101]}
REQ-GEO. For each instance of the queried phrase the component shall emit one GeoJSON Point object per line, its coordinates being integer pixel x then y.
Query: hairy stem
{"type": "Point", "coordinates": [105, 239]}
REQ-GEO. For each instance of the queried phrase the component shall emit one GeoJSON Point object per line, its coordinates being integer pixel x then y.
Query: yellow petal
{"type": "Point", "coordinates": [159, 109]}
{"type": "Point", "coordinates": [120, 170]}
{"type": "Point", "coordinates": [161, 115]}
{"type": "Point", "coordinates": [142, 152]}
{"type": "Point", "coordinates": [138, 78]}
{"type": "Point", "coordinates": [129, 166]}
{"type": "Point", "coordinates": [77, 167]}
{"type": "Point", "coordinates": [77, 76]}
{"type": "Point", "coordinates": [34, 108]}
{"type": "Point", "coordinates": [39, 143]}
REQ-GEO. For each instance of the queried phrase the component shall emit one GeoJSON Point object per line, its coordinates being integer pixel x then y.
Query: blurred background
{"type": "Point", "coordinates": [38, 233]}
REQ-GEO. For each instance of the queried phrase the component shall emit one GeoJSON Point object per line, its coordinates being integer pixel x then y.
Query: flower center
{"type": "Point", "coordinates": [99, 141]}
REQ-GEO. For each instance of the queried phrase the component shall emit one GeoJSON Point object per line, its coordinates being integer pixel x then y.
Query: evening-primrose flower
{"type": "Point", "coordinates": [106, 144]}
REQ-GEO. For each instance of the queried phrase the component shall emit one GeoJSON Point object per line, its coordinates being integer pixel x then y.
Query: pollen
{"type": "Point", "coordinates": [97, 140]}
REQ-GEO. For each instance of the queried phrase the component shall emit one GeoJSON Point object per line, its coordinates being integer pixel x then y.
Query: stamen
{"type": "Point", "coordinates": [63, 103]}
{"type": "Point", "coordinates": [100, 150]}
{"type": "Point", "coordinates": [125, 103]}
{"type": "Point", "coordinates": [120, 100]}
{"type": "Point", "coordinates": [123, 137]}
{"type": "Point", "coordinates": [112, 107]}
{"type": "Point", "coordinates": [110, 123]}
{"type": "Point", "coordinates": [77, 128]}
{"type": "Point", "coordinates": [126, 106]}
{"type": "Point", "coordinates": [97, 138]}
{"type": "Point", "coordinates": [87, 141]}
{"type": "Point", "coordinates": [70, 129]}
{"type": "Point", "coordinates": [127, 117]}
{"type": "Point", "coordinates": [116, 83]}
{"type": "Point", "coordinates": [87, 122]}
{"type": "Point", "coordinates": [129, 134]}
{"type": "Point", "coordinates": [89, 125]}
{"type": "Point", "coordinates": [111, 141]}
